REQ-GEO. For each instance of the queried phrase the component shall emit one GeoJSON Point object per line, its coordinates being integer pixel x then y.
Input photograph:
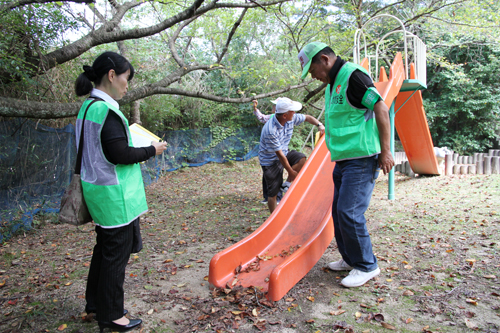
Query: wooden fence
{"type": "Point", "coordinates": [454, 164]}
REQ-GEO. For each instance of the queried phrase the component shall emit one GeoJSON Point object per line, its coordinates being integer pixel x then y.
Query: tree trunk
{"type": "Point", "coordinates": [135, 113]}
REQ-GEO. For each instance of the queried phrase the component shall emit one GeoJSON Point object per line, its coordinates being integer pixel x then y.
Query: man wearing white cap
{"type": "Point", "coordinates": [264, 118]}
{"type": "Point", "coordinates": [358, 137]}
{"type": "Point", "coordinates": [273, 149]}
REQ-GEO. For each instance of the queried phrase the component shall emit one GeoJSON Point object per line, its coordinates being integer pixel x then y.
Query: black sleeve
{"type": "Point", "coordinates": [115, 144]}
{"type": "Point", "coordinates": [359, 83]}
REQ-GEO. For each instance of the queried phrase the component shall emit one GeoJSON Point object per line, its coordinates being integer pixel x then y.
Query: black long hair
{"type": "Point", "coordinates": [101, 66]}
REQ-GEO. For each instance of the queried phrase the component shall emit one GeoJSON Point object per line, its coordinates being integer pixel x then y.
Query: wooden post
{"type": "Point", "coordinates": [463, 169]}
{"type": "Point", "coordinates": [408, 170]}
{"type": "Point", "coordinates": [448, 164]}
{"type": "Point", "coordinates": [479, 167]}
{"type": "Point", "coordinates": [455, 158]}
{"type": "Point", "coordinates": [456, 169]}
{"type": "Point", "coordinates": [472, 169]}
{"type": "Point", "coordinates": [491, 152]}
{"type": "Point", "coordinates": [471, 160]}
{"type": "Point", "coordinates": [495, 167]}
{"type": "Point", "coordinates": [487, 165]}
{"type": "Point", "coordinates": [476, 158]}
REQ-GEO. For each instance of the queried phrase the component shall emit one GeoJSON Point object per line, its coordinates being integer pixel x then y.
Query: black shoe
{"type": "Point", "coordinates": [125, 312]}
{"type": "Point", "coordinates": [120, 328]}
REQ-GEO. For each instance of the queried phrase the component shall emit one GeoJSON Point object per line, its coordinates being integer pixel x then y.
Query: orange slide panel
{"type": "Point", "coordinates": [292, 240]}
{"type": "Point", "coordinates": [303, 218]}
{"type": "Point", "coordinates": [390, 89]}
{"type": "Point", "coordinates": [413, 131]}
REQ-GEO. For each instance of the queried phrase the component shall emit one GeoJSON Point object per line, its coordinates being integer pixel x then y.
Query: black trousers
{"type": "Point", "coordinates": [104, 293]}
{"type": "Point", "coordinates": [264, 188]}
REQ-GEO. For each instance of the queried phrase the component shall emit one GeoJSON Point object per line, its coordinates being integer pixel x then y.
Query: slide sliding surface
{"type": "Point", "coordinates": [413, 131]}
{"type": "Point", "coordinates": [283, 249]}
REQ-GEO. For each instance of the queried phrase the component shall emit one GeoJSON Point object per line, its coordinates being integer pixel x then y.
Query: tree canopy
{"type": "Point", "coordinates": [193, 57]}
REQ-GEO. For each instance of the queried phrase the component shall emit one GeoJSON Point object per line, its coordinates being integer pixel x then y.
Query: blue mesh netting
{"type": "Point", "coordinates": [37, 162]}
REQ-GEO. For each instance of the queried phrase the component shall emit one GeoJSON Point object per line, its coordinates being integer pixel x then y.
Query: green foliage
{"type": "Point", "coordinates": [462, 97]}
{"type": "Point", "coordinates": [462, 61]}
{"type": "Point", "coordinates": [28, 32]}
{"type": "Point", "coordinates": [219, 134]}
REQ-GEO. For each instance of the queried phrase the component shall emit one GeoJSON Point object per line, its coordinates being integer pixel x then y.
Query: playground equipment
{"type": "Point", "coordinates": [406, 111]}
{"type": "Point", "coordinates": [292, 240]}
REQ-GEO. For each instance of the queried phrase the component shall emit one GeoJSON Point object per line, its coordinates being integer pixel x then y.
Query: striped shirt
{"type": "Point", "coordinates": [275, 137]}
{"type": "Point", "coordinates": [263, 118]}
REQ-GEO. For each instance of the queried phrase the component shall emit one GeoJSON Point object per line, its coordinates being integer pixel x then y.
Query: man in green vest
{"type": "Point", "coordinates": [358, 137]}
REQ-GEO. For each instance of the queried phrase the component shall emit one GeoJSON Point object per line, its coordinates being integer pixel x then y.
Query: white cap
{"type": "Point", "coordinates": [285, 104]}
{"type": "Point", "coordinates": [276, 100]}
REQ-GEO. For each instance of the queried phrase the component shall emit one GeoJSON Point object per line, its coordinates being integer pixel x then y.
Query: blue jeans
{"type": "Point", "coordinates": [354, 181]}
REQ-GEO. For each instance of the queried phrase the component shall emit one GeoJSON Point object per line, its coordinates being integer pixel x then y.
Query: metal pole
{"type": "Point", "coordinates": [391, 173]}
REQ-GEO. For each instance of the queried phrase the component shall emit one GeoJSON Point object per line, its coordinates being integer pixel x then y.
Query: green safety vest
{"type": "Point", "coordinates": [350, 132]}
{"type": "Point", "coordinates": [114, 194]}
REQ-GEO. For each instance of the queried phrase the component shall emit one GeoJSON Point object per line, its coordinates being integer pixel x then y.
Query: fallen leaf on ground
{"type": "Point", "coordinates": [471, 301]}
{"type": "Point", "coordinates": [469, 314]}
{"type": "Point", "coordinates": [470, 324]}
{"type": "Point", "coordinates": [388, 326]}
{"type": "Point", "coordinates": [62, 327]}
{"type": "Point", "coordinates": [337, 312]}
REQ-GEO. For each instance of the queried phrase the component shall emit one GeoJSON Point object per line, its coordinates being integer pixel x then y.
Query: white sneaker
{"type": "Point", "coordinates": [358, 278]}
{"type": "Point", "coordinates": [340, 265]}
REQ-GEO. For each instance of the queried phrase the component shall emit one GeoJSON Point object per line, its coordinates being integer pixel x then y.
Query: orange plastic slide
{"type": "Point", "coordinates": [283, 249]}
{"type": "Point", "coordinates": [292, 240]}
{"type": "Point", "coordinates": [389, 88]}
{"type": "Point", "coordinates": [413, 131]}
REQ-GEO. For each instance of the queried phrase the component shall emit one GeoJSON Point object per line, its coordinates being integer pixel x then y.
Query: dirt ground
{"type": "Point", "coordinates": [437, 244]}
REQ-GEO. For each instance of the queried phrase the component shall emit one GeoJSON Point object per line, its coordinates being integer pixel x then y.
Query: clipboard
{"type": "Point", "coordinates": [141, 137]}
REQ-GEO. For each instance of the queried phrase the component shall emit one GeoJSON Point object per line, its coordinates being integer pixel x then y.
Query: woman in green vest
{"type": "Point", "coordinates": [112, 185]}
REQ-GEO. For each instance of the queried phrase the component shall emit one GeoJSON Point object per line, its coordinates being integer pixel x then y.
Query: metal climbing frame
{"type": "Point", "coordinates": [414, 49]}
{"type": "Point", "coordinates": [414, 52]}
